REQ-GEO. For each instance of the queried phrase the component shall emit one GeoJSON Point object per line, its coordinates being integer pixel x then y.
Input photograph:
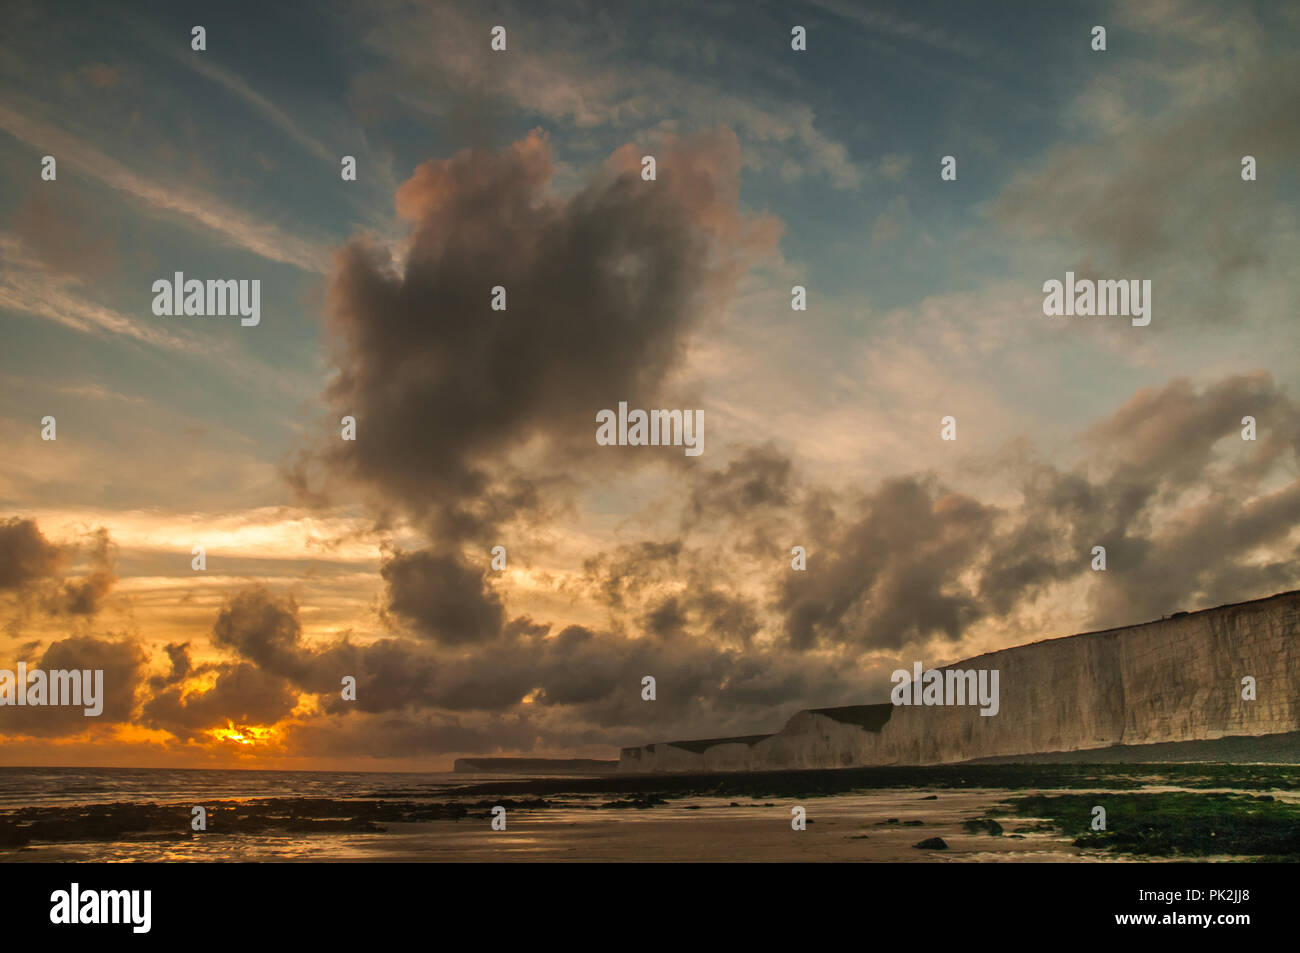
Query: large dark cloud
{"type": "Point", "coordinates": [603, 288]}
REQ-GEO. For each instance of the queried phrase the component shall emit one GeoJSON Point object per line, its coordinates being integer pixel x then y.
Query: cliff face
{"type": "Point", "coordinates": [1175, 680]}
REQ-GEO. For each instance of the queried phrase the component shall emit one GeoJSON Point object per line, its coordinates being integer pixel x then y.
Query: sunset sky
{"type": "Point", "coordinates": [476, 428]}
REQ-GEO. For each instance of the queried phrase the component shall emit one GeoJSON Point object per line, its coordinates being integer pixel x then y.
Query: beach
{"type": "Point", "coordinates": [977, 812]}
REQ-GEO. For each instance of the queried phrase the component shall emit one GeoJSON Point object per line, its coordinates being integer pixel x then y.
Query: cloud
{"type": "Point", "coordinates": [235, 84]}
{"type": "Point", "coordinates": [208, 213]}
{"type": "Point", "coordinates": [122, 662]}
{"type": "Point", "coordinates": [892, 573]}
{"type": "Point", "coordinates": [242, 694]}
{"type": "Point", "coordinates": [261, 629]}
{"type": "Point", "coordinates": [442, 598]}
{"type": "Point", "coordinates": [33, 568]}
{"type": "Point", "coordinates": [604, 288]}
{"type": "Point", "coordinates": [181, 666]}
{"type": "Point", "coordinates": [1169, 434]}
{"type": "Point", "coordinates": [561, 684]}
{"type": "Point", "coordinates": [28, 285]}
{"type": "Point", "coordinates": [1138, 196]}
{"type": "Point", "coordinates": [1188, 520]}
{"type": "Point", "coordinates": [1190, 515]}
{"type": "Point", "coordinates": [590, 73]}
{"type": "Point", "coordinates": [757, 477]}
{"type": "Point", "coordinates": [85, 595]}
{"type": "Point", "coordinates": [26, 556]}
{"type": "Point", "coordinates": [878, 21]}
{"type": "Point", "coordinates": [1200, 525]}
{"type": "Point", "coordinates": [1153, 180]}
{"type": "Point", "coordinates": [630, 568]}
{"type": "Point", "coordinates": [63, 232]}
{"type": "Point", "coordinates": [736, 639]}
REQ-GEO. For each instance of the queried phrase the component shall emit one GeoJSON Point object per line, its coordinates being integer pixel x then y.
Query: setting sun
{"type": "Point", "coordinates": [243, 734]}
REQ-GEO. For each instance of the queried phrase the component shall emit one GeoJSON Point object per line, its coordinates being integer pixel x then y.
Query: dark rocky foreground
{"type": "Point", "coordinates": [126, 820]}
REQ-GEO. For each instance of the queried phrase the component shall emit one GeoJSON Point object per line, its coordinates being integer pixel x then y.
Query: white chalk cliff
{"type": "Point", "coordinates": [1170, 681]}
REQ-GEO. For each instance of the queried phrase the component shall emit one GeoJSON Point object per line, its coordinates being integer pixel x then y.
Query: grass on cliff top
{"type": "Point", "coordinates": [1172, 824]}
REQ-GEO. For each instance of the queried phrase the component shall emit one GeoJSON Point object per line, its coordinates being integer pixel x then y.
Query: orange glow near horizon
{"type": "Point", "coordinates": [244, 735]}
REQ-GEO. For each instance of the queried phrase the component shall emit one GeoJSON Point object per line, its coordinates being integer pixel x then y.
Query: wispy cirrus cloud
{"type": "Point", "coordinates": [878, 21]}
{"type": "Point", "coordinates": [590, 75]}
{"type": "Point", "coordinates": [28, 286]}
{"type": "Point", "coordinates": [199, 210]}
{"type": "Point", "coordinates": [252, 97]}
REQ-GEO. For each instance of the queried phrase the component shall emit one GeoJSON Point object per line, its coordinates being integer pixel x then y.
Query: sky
{"type": "Point", "coordinates": [475, 428]}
